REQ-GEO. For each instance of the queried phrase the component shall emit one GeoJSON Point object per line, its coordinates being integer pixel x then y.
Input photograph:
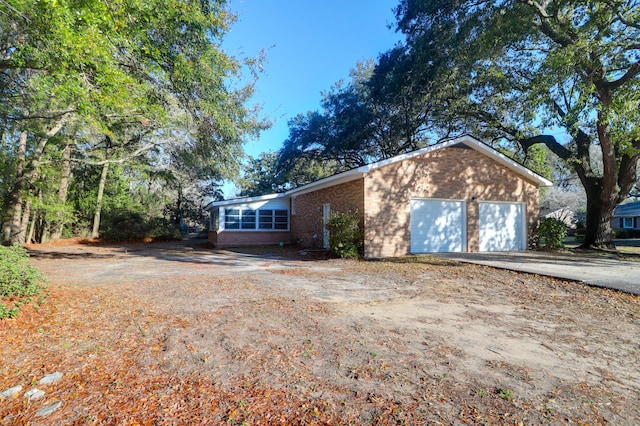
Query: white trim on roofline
{"type": "Point", "coordinates": [467, 140]}
{"type": "Point", "coordinates": [471, 142]}
{"type": "Point", "coordinates": [360, 172]}
{"type": "Point", "coordinates": [243, 200]}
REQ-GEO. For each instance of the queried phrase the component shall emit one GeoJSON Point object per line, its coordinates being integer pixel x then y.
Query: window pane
{"type": "Point", "coordinates": [232, 223]}
{"type": "Point", "coordinates": [281, 219]}
{"type": "Point", "coordinates": [248, 220]}
{"type": "Point", "coordinates": [232, 212]}
{"type": "Point", "coordinates": [266, 217]}
{"type": "Point", "coordinates": [281, 213]}
{"type": "Point", "coordinates": [281, 226]}
{"type": "Point", "coordinates": [268, 225]}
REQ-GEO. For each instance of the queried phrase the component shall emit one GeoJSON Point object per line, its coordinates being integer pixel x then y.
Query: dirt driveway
{"type": "Point", "coordinates": [177, 333]}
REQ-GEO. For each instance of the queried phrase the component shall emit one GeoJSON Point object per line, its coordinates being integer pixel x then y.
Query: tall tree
{"type": "Point", "coordinates": [96, 63]}
{"type": "Point", "coordinates": [522, 69]}
{"type": "Point", "coordinates": [373, 116]}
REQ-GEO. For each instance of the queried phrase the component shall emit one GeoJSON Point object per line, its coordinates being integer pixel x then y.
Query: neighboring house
{"type": "Point", "coordinates": [627, 216]}
{"type": "Point", "coordinates": [459, 195]}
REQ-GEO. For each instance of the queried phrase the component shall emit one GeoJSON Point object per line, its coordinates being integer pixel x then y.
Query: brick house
{"type": "Point", "coordinates": [455, 196]}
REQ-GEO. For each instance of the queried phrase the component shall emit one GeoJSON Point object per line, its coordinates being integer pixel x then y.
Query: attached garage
{"type": "Point", "coordinates": [438, 226]}
{"type": "Point", "coordinates": [455, 196]}
{"type": "Point", "coordinates": [502, 226]}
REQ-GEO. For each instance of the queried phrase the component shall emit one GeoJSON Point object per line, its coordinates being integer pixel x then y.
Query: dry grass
{"type": "Point", "coordinates": [167, 335]}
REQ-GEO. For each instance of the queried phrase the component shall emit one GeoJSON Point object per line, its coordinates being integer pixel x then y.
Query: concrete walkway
{"type": "Point", "coordinates": [599, 271]}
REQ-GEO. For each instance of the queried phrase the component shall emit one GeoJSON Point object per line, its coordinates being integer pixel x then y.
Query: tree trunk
{"type": "Point", "coordinates": [599, 229]}
{"type": "Point", "coordinates": [32, 228]}
{"type": "Point", "coordinates": [96, 217]}
{"type": "Point", "coordinates": [24, 221]}
{"type": "Point", "coordinates": [58, 223]}
{"type": "Point", "coordinates": [25, 175]}
{"type": "Point", "coordinates": [11, 227]}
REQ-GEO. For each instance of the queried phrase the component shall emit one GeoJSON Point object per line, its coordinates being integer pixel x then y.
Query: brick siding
{"type": "Point", "coordinates": [450, 173]}
{"type": "Point", "coordinates": [307, 220]}
{"type": "Point", "coordinates": [248, 238]}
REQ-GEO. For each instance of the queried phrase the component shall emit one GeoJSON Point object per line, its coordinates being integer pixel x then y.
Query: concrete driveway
{"type": "Point", "coordinates": [599, 271]}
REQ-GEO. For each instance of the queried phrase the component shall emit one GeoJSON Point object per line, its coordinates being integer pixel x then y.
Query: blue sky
{"type": "Point", "coordinates": [310, 45]}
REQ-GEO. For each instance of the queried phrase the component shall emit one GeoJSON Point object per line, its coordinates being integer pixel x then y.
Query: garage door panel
{"type": "Point", "coordinates": [502, 226]}
{"type": "Point", "coordinates": [437, 226]}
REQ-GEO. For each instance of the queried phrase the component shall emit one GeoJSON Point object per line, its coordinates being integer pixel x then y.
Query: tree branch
{"type": "Point", "coordinates": [9, 64]}
{"type": "Point", "coordinates": [551, 143]}
{"type": "Point", "coordinates": [631, 73]}
{"type": "Point", "coordinates": [138, 152]}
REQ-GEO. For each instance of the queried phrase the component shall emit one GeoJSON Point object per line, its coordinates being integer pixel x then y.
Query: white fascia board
{"type": "Point", "coordinates": [360, 172]}
{"type": "Point", "coordinates": [471, 142]}
{"type": "Point", "coordinates": [245, 200]}
{"type": "Point", "coordinates": [504, 160]}
{"type": "Point", "coordinates": [328, 182]}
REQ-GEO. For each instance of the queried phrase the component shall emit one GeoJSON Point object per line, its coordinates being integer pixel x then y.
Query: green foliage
{"type": "Point", "coordinates": [122, 83]}
{"type": "Point", "coordinates": [366, 119]}
{"type": "Point", "coordinates": [19, 281]}
{"type": "Point", "coordinates": [345, 236]}
{"type": "Point", "coordinates": [552, 231]}
{"type": "Point", "coordinates": [535, 73]}
{"type": "Point", "coordinates": [627, 233]}
{"type": "Point", "coordinates": [277, 172]}
{"type": "Point", "coordinates": [506, 394]}
{"type": "Point", "coordinates": [127, 225]}
{"type": "Point", "coordinates": [260, 176]}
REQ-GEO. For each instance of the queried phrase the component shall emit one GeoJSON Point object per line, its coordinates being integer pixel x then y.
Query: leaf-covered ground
{"type": "Point", "coordinates": [175, 333]}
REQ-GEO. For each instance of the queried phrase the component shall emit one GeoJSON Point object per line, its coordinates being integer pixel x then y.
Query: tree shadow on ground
{"type": "Point", "coordinates": [189, 250]}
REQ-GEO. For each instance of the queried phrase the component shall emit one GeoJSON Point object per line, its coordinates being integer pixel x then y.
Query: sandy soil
{"type": "Point", "coordinates": [417, 340]}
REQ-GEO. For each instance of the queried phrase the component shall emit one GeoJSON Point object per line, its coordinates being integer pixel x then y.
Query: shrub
{"type": "Point", "coordinates": [19, 281]}
{"type": "Point", "coordinates": [626, 233]}
{"type": "Point", "coordinates": [552, 231]}
{"type": "Point", "coordinates": [345, 238]}
{"type": "Point", "coordinates": [125, 225]}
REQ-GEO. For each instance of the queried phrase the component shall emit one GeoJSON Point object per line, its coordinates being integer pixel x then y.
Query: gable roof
{"type": "Point", "coordinates": [466, 140]}
{"type": "Point", "coordinates": [360, 172]}
{"type": "Point", "coordinates": [627, 210]}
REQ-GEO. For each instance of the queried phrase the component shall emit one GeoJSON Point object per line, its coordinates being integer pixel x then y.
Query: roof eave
{"type": "Point", "coordinates": [473, 143]}
{"type": "Point", "coordinates": [328, 182]}
{"type": "Point", "coordinates": [243, 200]}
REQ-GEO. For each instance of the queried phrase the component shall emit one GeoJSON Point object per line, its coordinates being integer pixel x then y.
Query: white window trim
{"type": "Point", "coordinates": [273, 222]}
{"type": "Point", "coordinates": [223, 222]}
{"type": "Point", "coordinates": [624, 223]}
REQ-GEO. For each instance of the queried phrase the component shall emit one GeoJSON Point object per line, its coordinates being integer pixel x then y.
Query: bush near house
{"type": "Point", "coordinates": [19, 281]}
{"type": "Point", "coordinates": [345, 238]}
{"type": "Point", "coordinates": [552, 231]}
{"type": "Point", "coordinates": [626, 233]}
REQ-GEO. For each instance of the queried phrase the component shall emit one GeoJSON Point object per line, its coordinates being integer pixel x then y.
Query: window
{"type": "Point", "coordinates": [256, 219]}
{"type": "Point", "coordinates": [215, 220]}
{"type": "Point", "coordinates": [239, 219]}
{"type": "Point", "coordinates": [266, 219]}
{"type": "Point", "coordinates": [273, 219]}
{"type": "Point", "coordinates": [280, 219]}
{"type": "Point", "coordinates": [232, 219]}
{"type": "Point", "coordinates": [627, 222]}
{"type": "Point", "coordinates": [248, 219]}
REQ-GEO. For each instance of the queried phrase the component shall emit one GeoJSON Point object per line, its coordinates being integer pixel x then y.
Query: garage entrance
{"type": "Point", "coordinates": [438, 226]}
{"type": "Point", "coordinates": [502, 226]}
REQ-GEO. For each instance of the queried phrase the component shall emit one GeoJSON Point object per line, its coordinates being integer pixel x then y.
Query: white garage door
{"type": "Point", "coordinates": [438, 226]}
{"type": "Point", "coordinates": [502, 226]}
